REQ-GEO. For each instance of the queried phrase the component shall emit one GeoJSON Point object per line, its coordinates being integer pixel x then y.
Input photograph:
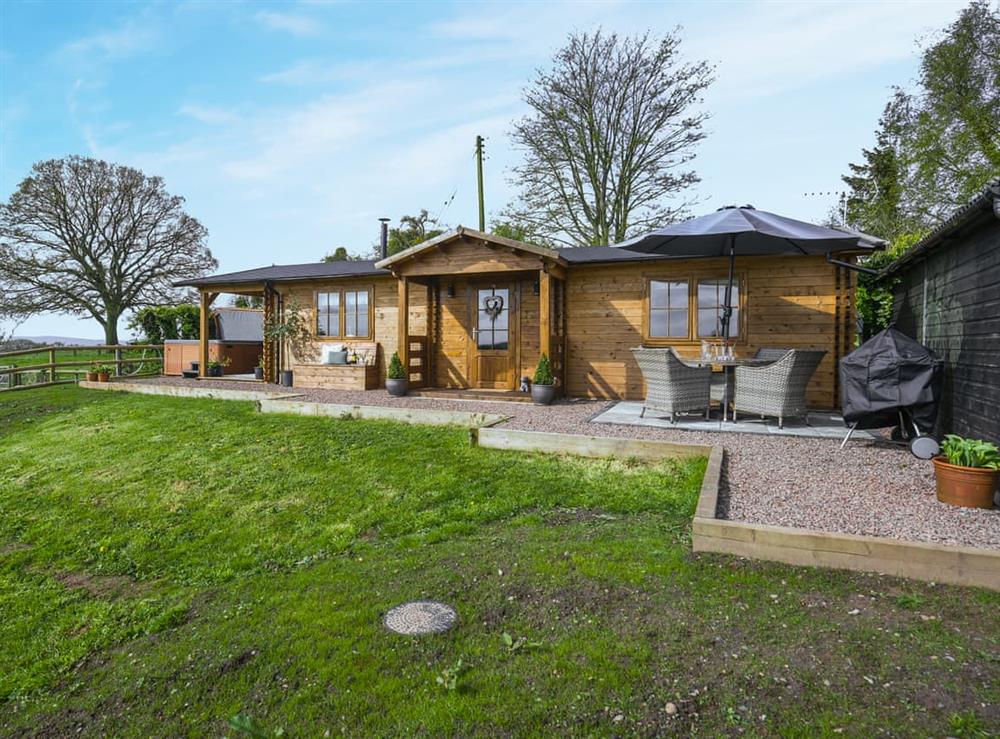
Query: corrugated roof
{"type": "Point", "coordinates": [987, 201]}
{"type": "Point", "coordinates": [289, 272]}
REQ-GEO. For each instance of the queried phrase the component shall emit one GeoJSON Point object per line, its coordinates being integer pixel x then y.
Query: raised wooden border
{"type": "Point", "coordinates": [590, 446]}
{"type": "Point", "coordinates": [809, 547]}
{"type": "Point", "coordinates": [183, 391]}
{"type": "Point", "coordinates": [416, 416]}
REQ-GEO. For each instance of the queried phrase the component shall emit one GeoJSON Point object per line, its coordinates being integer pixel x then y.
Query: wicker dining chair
{"type": "Point", "coordinates": [777, 389]}
{"type": "Point", "coordinates": [770, 353]}
{"type": "Point", "coordinates": [671, 385]}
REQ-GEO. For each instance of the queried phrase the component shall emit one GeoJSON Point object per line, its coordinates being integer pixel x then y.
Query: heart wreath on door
{"type": "Point", "coordinates": [493, 306]}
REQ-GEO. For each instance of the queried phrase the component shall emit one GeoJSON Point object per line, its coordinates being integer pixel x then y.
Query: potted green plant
{"type": "Point", "coordinates": [215, 367]}
{"type": "Point", "coordinates": [258, 369]}
{"type": "Point", "coordinates": [293, 328]}
{"type": "Point", "coordinates": [967, 472]}
{"type": "Point", "coordinates": [396, 381]}
{"type": "Point", "coordinates": [543, 386]}
{"type": "Point", "coordinates": [92, 373]}
{"type": "Point", "coordinates": [104, 372]}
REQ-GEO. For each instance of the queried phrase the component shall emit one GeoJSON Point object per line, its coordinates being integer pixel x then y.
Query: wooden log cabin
{"type": "Point", "coordinates": [469, 310]}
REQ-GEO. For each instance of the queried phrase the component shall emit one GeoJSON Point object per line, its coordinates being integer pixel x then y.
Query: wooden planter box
{"type": "Point", "coordinates": [337, 376]}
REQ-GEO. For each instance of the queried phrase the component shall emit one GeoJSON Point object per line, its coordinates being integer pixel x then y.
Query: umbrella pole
{"type": "Point", "coordinates": [727, 309]}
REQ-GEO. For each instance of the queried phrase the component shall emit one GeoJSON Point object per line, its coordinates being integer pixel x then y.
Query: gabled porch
{"type": "Point", "coordinates": [493, 307]}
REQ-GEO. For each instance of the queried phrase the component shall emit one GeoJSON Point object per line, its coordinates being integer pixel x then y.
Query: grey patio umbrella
{"type": "Point", "coordinates": [731, 232]}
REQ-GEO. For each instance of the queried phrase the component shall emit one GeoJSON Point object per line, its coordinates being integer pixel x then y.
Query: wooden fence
{"type": "Point", "coordinates": [128, 360]}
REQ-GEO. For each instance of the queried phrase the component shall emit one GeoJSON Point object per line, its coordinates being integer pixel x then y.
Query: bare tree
{"type": "Point", "coordinates": [613, 125]}
{"type": "Point", "coordinates": [86, 237]}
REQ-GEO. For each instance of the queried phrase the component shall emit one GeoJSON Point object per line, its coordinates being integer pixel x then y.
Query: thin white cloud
{"type": "Point", "coordinates": [295, 24]}
{"type": "Point", "coordinates": [780, 47]}
{"type": "Point", "coordinates": [130, 38]}
{"type": "Point", "coordinates": [208, 114]}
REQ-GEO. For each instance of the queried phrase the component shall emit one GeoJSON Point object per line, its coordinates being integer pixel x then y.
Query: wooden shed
{"type": "Point", "coordinates": [469, 310]}
{"type": "Point", "coordinates": [947, 296]}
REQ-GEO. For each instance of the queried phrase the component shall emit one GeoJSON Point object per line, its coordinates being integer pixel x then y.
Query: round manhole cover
{"type": "Point", "coordinates": [420, 617]}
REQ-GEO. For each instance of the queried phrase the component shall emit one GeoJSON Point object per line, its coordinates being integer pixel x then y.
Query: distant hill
{"type": "Point", "coordinates": [64, 340]}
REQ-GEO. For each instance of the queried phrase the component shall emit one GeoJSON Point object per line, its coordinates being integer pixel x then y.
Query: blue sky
{"type": "Point", "coordinates": [291, 127]}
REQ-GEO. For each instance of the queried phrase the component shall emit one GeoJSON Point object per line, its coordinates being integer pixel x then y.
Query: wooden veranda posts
{"type": "Point", "coordinates": [269, 362]}
{"type": "Point", "coordinates": [207, 298]}
{"type": "Point", "coordinates": [403, 322]}
{"type": "Point", "coordinates": [545, 313]}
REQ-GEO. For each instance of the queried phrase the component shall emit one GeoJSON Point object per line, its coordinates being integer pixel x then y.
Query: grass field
{"type": "Point", "coordinates": [169, 564]}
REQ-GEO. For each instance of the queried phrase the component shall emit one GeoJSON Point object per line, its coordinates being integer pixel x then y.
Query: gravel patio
{"type": "Point", "coordinates": [869, 488]}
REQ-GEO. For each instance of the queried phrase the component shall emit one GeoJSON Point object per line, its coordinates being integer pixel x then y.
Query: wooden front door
{"type": "Point", "coordinates": [494, 326]}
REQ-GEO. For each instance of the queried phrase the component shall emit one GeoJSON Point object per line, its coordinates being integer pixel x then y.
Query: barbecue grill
{"type": "Point", "coordinates": [891, 379]}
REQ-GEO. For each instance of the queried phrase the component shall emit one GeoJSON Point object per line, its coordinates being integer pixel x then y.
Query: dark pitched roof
{"type": "Point", "coordinates": [988, 201]}
{"type": "Point", "coordinates": [290, 272]}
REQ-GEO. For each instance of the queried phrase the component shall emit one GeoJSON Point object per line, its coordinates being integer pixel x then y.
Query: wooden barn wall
{"type": "Point", "coordinates": [793, 302]}
{"type": "Point", "coordinates": [950, 301]}
{"type": "Point", "coordinates": [384, 315]}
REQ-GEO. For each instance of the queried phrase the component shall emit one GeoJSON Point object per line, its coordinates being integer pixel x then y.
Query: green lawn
{"type": "Point", "coordinates": [167, 564]}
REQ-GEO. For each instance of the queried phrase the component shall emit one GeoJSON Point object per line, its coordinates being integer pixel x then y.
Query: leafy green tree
{"type": "Point", "coordinates": [873, 297]}
{"type": "Point", "coordinates": [154, 323]}
{"type": "Point", "coordinates": [518, 232]}
{"type": "Point", "coordinates": [614, 125]}
{"type": "Point", "coordinates": [956, 127]}
{"type": "Point", "coordinates": [935, 149]}
{"type": "Point", "coordinates": [337, 255]}
{"type": "Point", "coordinates": [875, 199]}
{"type": "Point", "coordinates": [413, 230]}
{"type": "Point", "coordinates": [248, 301]}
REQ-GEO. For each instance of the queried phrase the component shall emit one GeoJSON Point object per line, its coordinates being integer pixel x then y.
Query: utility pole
{"type": "Point", "coordinates": [479, 173]}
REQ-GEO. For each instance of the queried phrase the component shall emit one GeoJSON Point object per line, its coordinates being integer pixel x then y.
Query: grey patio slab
{"type": "Point", "coordinates": [820, 425]}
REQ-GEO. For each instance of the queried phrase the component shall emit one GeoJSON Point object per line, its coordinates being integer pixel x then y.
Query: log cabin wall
{"type": "Point", "coordinates": [382, 318]}
{"type": "Point", "coordinates": [453, 322]}
{"type": "Point", "coordinates": [792, 302]}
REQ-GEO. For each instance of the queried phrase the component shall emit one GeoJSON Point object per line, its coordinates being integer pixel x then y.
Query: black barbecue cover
{"type": "Point", "coordinates": [888, 373]}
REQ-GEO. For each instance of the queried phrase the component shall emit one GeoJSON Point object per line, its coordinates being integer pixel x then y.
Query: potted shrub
{"type": "Point", "coordinates": [92, 373]}
{"type": "Point", "coordinates": [967, 472]}
{"type": "Point", "coordinates": [258, 370]}
{"type": "Point", "coordinates": [396, 381]}
{"type": "Point", "coordinates": [543, 387]}
{"type": "Point", "coordinates": [215, 367]}
{"type": "Point", "coordinates": [104, 372]}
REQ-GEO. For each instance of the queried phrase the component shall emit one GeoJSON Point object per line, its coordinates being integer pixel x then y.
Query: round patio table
{"type": "Point", "coordinates": [728, 366]}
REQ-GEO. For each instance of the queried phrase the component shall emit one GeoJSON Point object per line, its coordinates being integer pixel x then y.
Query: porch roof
{"type": "Point", "coordinates": [461, 233]}
{"type": "Point", "coordinates": [289, 273]}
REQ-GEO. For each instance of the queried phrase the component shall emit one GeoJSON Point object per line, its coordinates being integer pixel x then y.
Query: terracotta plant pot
{"type": "Point", "coordinates": [103, 377]}
{"type": "Point", "coordinates": [91, 377]}
{"type": "Point", "coordinates": [970, 487]}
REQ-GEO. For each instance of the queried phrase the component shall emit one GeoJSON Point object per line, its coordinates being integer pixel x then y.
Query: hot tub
{"type": "Point", "coordinates": [239, 339]}
{"type": "Point", "coordinates": [242, 355]}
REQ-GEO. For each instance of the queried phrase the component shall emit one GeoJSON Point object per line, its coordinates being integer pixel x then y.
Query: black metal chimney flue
{"type": "Point", "coordinates": [383, 240]}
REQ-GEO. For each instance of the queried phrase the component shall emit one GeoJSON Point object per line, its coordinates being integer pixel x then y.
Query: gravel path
{"type": "Point", "coordinates": [867, 489]}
